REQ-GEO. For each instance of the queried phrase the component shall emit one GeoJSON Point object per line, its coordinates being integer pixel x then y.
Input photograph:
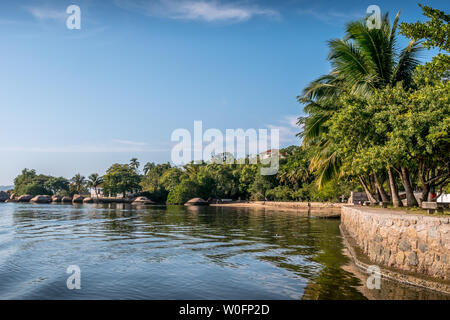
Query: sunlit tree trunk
{"type": "Point", "coordinates": [383, 194]}
{"type": "Point", "coordinates": [367, 191]}
{"type": "Point", "coordinates": [425, 185]}
{"type": "Point", "coordinates": [410, 198]}
{"type": "Point", "coordinates": [394, 192]}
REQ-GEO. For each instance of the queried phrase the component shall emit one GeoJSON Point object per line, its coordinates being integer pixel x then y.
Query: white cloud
{"type": "Point", "coordinates": [128, 142]}
{"type": "Point", "coordinates": [332, 16]}
{"type": "Point", "coordinates": [202, 10]}
{"type": "Point", "coordinates": [41, 13]}
{"type": "Point", "coordinates": [288, 128]}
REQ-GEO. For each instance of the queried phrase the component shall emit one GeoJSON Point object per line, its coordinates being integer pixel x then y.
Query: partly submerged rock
{"type": "Point", "coordinates": [41, 199]}
{"type": "Point", "coordinates": [77, 198]}
{"type": "Point", "coordinates": [88, 200]}
{"type": "Point", "coordinates": [24, 198]}
{"type": "Point", "coordinates": [56, 199]}
{"type": "Point", "coordinates": [4, 196]}
{"type": "Point", "coordinates": [142, 200]}
{"type": "Point", "coordinates": [66, 199]}
{"type": "Point", "coordinates": [197, 202]}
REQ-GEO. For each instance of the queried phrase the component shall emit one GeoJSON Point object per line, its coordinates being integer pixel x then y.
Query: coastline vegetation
{"type": "Point", "coordinates": [379, 117]}
{"type": "Point", "coordinates": [378, 122]}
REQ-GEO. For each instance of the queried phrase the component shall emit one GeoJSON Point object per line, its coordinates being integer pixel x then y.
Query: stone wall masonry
{"type": "Point", "coordinates": [410, 242]}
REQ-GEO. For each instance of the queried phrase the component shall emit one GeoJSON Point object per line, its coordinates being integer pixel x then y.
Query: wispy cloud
{"type": "Point", "coordinates": [128, 142]}
{"type": "Point", "coordinates": [44, 13]}
{"type": "Point", "coordinates": [331, 16]}
{"type": "Point", "coordinates": [288, 128]}
{"type": "Point", "coordinates": [201, 10]}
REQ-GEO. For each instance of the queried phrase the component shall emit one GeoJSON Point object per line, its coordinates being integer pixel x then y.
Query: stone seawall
{"type": "Point", "coordinates": [412, 243]}
{"type": "Point", "coordinates": [285, 205]}
{"type": "Point", "coordinates": [313, 209]}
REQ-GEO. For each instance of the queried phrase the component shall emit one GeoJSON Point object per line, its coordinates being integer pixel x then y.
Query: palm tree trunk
{"type": "Point", "coordinates": [379, 186]}
{"type": "Point", "coordinates": [410, 198]}
{"type": "Point", "coordinates": [394, 192]}
{"type": "Point", "coordinates": [367, 191]}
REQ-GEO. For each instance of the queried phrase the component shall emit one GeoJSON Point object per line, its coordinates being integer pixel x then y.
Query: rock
{"type": "Point", "coordinates": [41, 199]}
{"type": "Point", "coordinates": [196, 202]}
{"type": "Point", "coordinates": [4, 196]}
{"type": "Point", "coordinates": [88, 200]}
{"type": "Point", "coordinates": [56, 199]}
{"type": "Point", "coordinates": [423, 247]}
{"type": "Point", "coordinates": [12, 196]}
{"type": "Point", "coordinates": [142, 200]}
{"type": "Point", "coordinates": [66, 199]}
{"type": "Point", "coordinates": [24, 198]}
{"type": "Point", "coordinates": [77, 198]}
{"type": "Point", "coordinates": [400, 258]}
{"type": "Point", "coordinates": [404, 245]}
{"type": "Point", "coordinates": [413, 260]}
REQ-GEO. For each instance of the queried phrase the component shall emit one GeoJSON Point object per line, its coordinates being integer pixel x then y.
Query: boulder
{"type": "Point", "coordinates": [66, 199]}
{"type": "Point", "coordinates": [24, 198]}
{"type": "Point", "coordinates": [142, 200]}
{"type": "Point", "coordinates": [4, 196]}
{"type": "Point", "coordinates": [56, 199]}
{"type": "Point", "coordinates": [88, 200]}
{"type": "Point", "coordinates": [41, 199]}
{"type": "Point", "coordinates": [12, 196]}
{"type": "Point", "coordinates": [77, 199]}
{"type": "Point", "coordinates": [197, 202]}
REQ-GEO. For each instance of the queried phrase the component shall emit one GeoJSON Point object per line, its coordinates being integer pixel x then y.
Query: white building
{"type": "Point", "coordinates": [99, 192]}
{"type": "Point", "coordinates": [445, 197]}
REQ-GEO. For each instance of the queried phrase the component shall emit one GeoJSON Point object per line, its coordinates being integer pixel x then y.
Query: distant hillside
{"type": "Point", "coordinates": [4, 188]}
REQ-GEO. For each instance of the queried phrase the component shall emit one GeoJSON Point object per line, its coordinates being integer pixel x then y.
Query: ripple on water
{"type": "Point", "coordinates": [169, 253]}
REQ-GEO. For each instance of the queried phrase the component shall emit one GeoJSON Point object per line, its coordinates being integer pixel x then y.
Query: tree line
{"type": "Point", "coordinates": [164, 183]}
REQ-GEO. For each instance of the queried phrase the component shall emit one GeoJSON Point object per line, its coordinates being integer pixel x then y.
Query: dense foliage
{"type": "Point", "coordinates": [379, 117]}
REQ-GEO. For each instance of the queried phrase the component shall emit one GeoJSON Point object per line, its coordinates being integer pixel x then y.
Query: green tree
{"type": "Point", "coordinates": [79, 183]}
{"type": "Point", "coordinates": [120, 179]}
{"type": "Point", "coordinates": [183, 192]}
{"type": "Point", "coordinates": [134, 164]}
{"type": "Point", "coordinates": [28, 182]}
{"type": "Point", "coordinates": [152, 181]}
{"type": "Point", "coordinates": [170, 178]}
{"type": "Point", "coordinates": [364, 61]}
{"type": "Point", "coordinates": [94, 181]}
{"type": "Point", "coordinates": [57, 185]}
{"type": "Point", "coordinates": [434, 34]}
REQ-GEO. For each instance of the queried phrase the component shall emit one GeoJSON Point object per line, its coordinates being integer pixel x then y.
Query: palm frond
{"type": "Point", "coordinates": [407, 63]}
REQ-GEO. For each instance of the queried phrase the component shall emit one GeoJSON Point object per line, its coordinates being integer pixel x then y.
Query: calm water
{"type": "Point", "coordinates": [173, 253]}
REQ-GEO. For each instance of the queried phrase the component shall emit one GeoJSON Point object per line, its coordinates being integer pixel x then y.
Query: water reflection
{"type": "Point", "coordinates": [174, 252]}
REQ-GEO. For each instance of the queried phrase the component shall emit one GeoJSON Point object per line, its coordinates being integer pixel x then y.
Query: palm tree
{"type": "Point", "coordinates": [148, 166]}
{"type": "Point", "coordinates": [94, 182]}
{"type": "Point", "coordinates": [79, 181]}
{"type": "Point", "coordinates": [134, 164]}
{"type": "Point", "coordinates": [364, 61]}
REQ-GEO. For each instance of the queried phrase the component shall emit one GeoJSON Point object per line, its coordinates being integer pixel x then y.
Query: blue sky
{"type": "Point", "coordinates": [79, 100]}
